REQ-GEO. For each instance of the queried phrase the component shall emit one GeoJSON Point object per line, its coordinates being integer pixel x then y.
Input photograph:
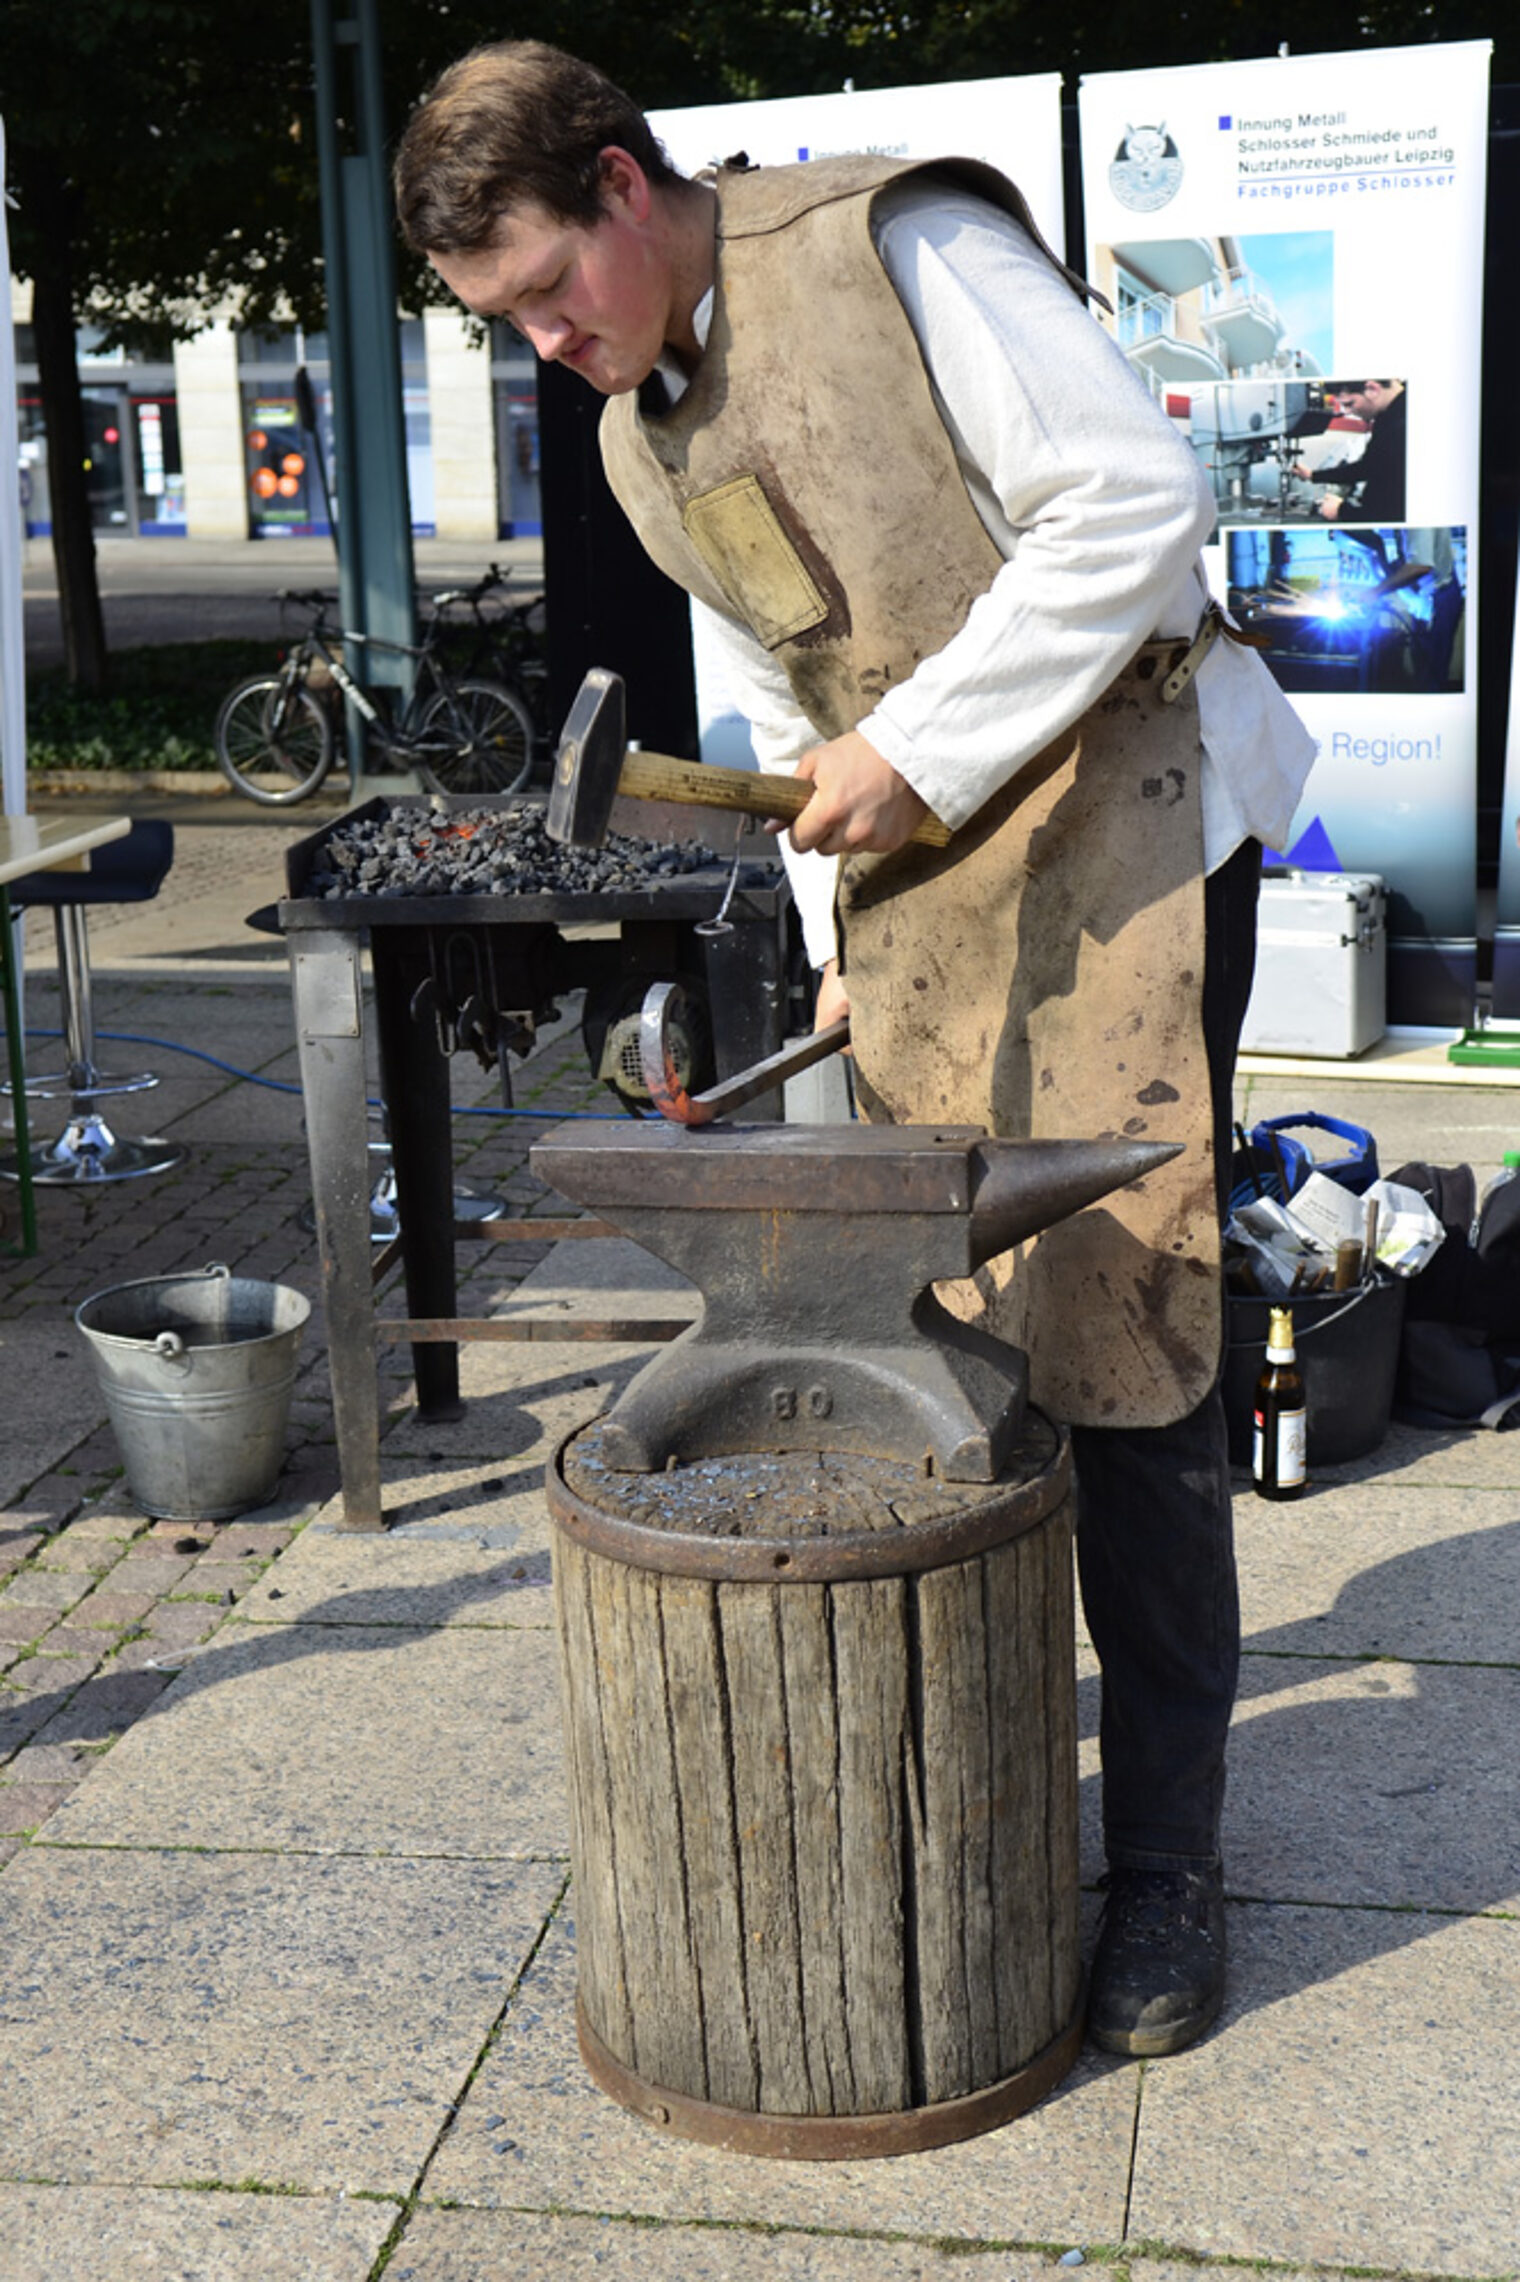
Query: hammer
{"type": "Point", "coordinates": [593, 765]}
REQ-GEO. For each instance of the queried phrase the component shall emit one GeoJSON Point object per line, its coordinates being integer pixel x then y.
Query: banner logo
{"type": "Point", "coordinates": [1146, 171]}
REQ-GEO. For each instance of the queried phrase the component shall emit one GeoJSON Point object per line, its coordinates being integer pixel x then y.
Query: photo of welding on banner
{"type": "Point", "coordinates": [1354, 610]}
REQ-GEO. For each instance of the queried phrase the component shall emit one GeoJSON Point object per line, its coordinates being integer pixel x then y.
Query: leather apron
{"type": "Point", "coordinates": [1042, 975]}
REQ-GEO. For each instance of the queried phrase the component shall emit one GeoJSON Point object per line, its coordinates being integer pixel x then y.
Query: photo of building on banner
{"type": "Point", "coordinates": [1013, 124]}
{"type": "Point", "coordinates": [1244, 220]}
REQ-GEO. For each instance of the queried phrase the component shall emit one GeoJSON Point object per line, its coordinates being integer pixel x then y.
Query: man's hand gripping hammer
{"type": "Point", "coordinates": [593, 765]}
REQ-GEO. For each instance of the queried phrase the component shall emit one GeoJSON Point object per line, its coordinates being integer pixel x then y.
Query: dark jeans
{"type": "Point", "coordinates": [1155, 1541]}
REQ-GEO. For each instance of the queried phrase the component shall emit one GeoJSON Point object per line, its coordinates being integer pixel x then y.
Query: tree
{"type": "Point", "coordinates": [163, 152]}
{"type": "Point", "coordinates": [154, 155]}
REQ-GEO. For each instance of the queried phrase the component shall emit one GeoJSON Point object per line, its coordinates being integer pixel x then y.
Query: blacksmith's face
{"type": "Point", "coordinates": [597, 298]}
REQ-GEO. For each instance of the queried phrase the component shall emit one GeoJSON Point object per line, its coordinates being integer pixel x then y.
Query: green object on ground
{"type": "Point", "coordinates": [1491, 1047]}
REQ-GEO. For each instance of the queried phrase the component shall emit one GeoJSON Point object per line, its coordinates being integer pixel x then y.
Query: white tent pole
{"type": "Point", "coordinates": [12, 644]}
{"type": "Point", "coordinates": [12, 622]}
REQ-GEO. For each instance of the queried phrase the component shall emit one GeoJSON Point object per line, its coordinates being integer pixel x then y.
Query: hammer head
{"type": "Point", "coordinates": [589, 762]}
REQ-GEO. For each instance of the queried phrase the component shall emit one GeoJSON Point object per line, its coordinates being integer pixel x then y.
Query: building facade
{"type": "Point", "coordinates": [208, 443]}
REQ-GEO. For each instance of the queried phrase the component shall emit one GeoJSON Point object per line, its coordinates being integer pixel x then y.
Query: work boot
{"type": "Point", "coordinates": [1158, 1975]}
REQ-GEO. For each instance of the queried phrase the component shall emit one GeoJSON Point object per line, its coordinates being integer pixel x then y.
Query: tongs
{"type": "Point", "coordinates": [669, 1095]}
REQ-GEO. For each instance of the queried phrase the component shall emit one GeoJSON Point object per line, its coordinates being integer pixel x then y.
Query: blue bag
{"type": "Point", "coordinates": [1355, 1170]}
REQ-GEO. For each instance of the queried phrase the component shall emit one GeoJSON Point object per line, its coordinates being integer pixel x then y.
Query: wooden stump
{"type": "Point", "coordinates": [821, 1744]}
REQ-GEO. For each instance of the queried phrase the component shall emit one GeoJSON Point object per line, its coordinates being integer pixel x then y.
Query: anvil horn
{"type": "Point", "coordinates": [1026, 1186]}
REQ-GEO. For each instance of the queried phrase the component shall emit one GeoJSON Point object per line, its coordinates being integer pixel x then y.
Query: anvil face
{"type": "Point", "coordinates": [814, 1249]}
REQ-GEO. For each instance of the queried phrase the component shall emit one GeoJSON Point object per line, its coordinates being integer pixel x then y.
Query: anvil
{"type": "Point", "coordinates": [815, 1249]}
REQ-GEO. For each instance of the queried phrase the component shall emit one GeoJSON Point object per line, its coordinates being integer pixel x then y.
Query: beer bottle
{"type": "Point", "coordinates": [1278, 1456]}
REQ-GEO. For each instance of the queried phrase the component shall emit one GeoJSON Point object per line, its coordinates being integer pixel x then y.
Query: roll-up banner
{"type": "Point", "coordinates": [1506, 995]}
{"type": "Point", "coordinates": [12, 549]}
{"type": "Point", "coordinates": [1013, 124]}
{"type": "Point", "coordinates": [1294, 251]}
{"type": "Point", "coordinates": [12, 648]}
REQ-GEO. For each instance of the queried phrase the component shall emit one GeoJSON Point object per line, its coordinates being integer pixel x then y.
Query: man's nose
{"type": "Point", "coordinates": [549, 335]}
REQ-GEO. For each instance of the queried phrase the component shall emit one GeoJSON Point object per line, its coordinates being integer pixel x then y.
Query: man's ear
{"type": "Point", "coordinates": [624, 182]}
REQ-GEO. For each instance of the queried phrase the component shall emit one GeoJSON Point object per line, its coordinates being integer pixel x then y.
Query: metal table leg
{"type": "Point", "coordinates": [327, 989]}
{"type": "Point", "coordinates": [15, 1045]}
{"type": "Point", "coordinates": [415, 1083]}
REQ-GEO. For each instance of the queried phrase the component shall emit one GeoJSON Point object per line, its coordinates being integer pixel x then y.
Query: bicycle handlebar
{"type": "Point", "coordinates": [493, 579]}
{"type": "Point", "coordinates": [322, 601]}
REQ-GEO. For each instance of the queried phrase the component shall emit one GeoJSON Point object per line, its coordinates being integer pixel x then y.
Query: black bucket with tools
{"type": "Point", "coordinates": [1348, 1351]}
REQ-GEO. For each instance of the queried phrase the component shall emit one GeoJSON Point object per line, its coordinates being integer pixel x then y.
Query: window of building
{"type": "Point", "coordinates": [514, 392]}
{"type": "Point", "coordinates": [133, 471]}
{"type": "Point", "coordinates": [159, 472]}
{"type": "Point", "coordinates": [284, 481]}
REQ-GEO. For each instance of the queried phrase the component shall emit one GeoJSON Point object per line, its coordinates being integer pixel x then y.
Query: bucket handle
{"type": "Point", "coordinates": [1306, 1331]}
{"type": "Point", "coordinates": [169, 1344]}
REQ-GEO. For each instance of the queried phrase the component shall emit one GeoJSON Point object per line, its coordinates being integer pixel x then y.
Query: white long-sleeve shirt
{"type": "Point", "coordinates": [1098, 509]}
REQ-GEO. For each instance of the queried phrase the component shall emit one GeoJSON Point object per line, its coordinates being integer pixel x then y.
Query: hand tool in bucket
{"type": "Point", "coordinates": [593, 765]}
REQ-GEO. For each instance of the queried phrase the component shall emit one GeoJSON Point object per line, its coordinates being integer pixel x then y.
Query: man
{"type": "Point", "coordinates": [1376, 475]}
{"type": "Point", "coordinates": [949, 551]}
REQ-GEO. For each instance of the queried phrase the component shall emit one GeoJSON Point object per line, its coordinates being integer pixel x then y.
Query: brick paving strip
{"type": "Point", "coordinates": [101, 1605]}
{"type": "Point", "coordinates": [96, 1614]}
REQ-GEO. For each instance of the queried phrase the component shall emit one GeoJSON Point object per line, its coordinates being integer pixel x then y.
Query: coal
{"type": "Point", "coordinates": [486, 851]}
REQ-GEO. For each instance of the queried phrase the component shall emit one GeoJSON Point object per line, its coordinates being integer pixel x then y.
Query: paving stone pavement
{"type": "Point", "coordinates": [288, 1977]}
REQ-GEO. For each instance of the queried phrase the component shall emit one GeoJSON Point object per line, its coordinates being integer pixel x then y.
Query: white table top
{"type": "Point", "coordinates": [31, 843]}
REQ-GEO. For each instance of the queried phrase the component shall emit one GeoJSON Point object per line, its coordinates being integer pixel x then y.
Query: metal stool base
{"type": "Point", "coordinates": [470, 1203]}
{"type": "Point", "coordinates": [88, 1151]}
{"type": "Point", "coordinates": [63, 1085]}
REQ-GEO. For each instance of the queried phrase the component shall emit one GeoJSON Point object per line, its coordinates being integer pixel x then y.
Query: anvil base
{"type": "Point", "coordinates": [955, 1399]}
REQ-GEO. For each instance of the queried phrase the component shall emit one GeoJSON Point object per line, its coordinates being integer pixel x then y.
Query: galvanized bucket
{"type": "Point", "coordinates": [197, 1373]}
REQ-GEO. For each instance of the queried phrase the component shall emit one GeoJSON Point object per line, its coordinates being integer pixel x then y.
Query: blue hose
{"type": "Point", "coordinates": [278, 1085]}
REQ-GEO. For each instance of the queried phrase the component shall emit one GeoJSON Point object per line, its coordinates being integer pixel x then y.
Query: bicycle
{"type": "Point", "coordinates": [506, 644]}
{"type": "Point", "coordinates": [274, 732]}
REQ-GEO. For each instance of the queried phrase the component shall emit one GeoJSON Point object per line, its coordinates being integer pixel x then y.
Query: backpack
{"type": "Point", "coordinates": [1459, 1354]}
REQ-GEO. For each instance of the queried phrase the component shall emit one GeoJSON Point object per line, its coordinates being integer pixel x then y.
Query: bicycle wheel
{"type": "Point", "coordinates": [273, 743]}
{"type": "Point", "coordinates": [475, 736]}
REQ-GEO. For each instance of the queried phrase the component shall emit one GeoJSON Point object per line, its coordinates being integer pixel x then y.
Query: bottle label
{"type": "Point", "coordinates": [1291, 1431]}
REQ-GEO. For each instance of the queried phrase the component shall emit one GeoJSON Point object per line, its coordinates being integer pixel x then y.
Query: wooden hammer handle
{"type": "Point", "coordinates": [660, 776]}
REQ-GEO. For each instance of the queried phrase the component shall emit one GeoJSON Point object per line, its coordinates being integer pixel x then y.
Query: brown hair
{"type": "Point", "coordinates": [513, 124]}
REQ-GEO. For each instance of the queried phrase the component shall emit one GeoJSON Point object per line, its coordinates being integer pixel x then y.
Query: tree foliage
{"type": "Point", "coordinates": [163, 158]}
{"type": "Point", "coordinates": [172, 143]}
{"type": "Point", "coordinates": [162, 142]}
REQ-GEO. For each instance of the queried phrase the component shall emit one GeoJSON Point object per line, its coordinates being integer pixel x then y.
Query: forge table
{"type": "Point", "coordinates": [483, 969]}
